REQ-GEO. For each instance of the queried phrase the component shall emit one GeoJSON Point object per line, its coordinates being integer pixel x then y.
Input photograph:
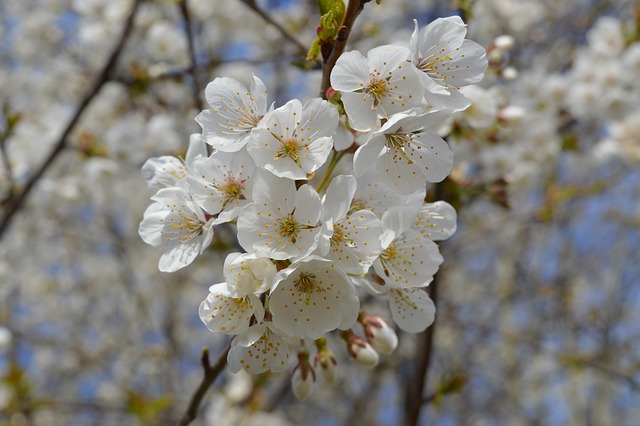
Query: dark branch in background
{"type": "Point", "coordinates": [211, 373]}
{"type": "Point", "coordinates": [353, 10]}
{"type": "Point", "coordinates": [195, 86]}
{"type": "Point", "coordinates": [415, 389]}
{"type": "Point", "coordinates": [302, 49]}
{"type": "Point", "coordinates": [13, 204]}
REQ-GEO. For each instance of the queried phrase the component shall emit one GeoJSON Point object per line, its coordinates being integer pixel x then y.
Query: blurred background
{"type": "Point", "coordinates": [539, 296]}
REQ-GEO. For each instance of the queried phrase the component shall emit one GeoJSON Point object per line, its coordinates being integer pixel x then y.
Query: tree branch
{"type": "Point", "coordinates": [353, 10]}
{"type": "Point", "coordinates": [17, 199]}
{"type": "Point", "coordinates": [415, 389]}
{"type": "Point", "coordinates": [193, 69]}
{"type": "Point", "coordinates": [211, 373]}
{"type": "Point", "coordinates": [301, 48]}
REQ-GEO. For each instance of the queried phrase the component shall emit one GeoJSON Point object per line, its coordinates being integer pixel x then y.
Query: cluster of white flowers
{"type": "Point", "coordinates": [315, 241]}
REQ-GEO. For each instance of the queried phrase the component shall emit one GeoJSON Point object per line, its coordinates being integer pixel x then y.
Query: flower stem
{"type": "Point", "coordinates": [335, 159]}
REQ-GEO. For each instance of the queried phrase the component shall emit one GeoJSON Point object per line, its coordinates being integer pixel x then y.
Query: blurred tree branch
{"type": "Point", "coordinates": [211, 373]}
{"type": "Point", "coordinates": [415, 388]}
{"type": "Point", "coordinates": [300, 47]}
{"type": "Point", "coordinates": [14, 203]}
{"type": "Point", "coordinates": [193, 69]}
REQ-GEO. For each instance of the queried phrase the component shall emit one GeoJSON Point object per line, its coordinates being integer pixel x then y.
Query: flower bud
{"type": "Point", "coordinates": [360, 350]}
{"type": "Point", "coordinates": [263, 268]}
{"type": "Point", "coordinates": [365, 355]}
{"type": "Point", "coordinates": [504, 42]}
{"type": "Point", "coordinates": [325, 360]}
{"type": "Point", "coordinates": [302, 385]}
{"type": "Point", "coordinates": [510, 73]}
{"type": "Point", "coordinates": [512, 114]}
{"type": "Point", "coordinates": [303, 377]}
{"type": "Point", "coordinates": [381, 337]}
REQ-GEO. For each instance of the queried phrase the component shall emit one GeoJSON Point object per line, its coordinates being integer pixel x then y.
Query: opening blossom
{"type": "Point", "coordinates": [314, 246]}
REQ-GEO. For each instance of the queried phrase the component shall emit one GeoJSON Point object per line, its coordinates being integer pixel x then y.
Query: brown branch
{"type": "Point", "coordinates": [211, 373]}
{"type": "Point", "coordinates": [415, 388]}
{"type": "Point", "coordinates": [301, 48]}
{"type": "Point", "coordinates": [353, 10]}
{"type": "Point", "coordinates": [14, 204]}
{"type": "Point", "coordinates": [193, 69]}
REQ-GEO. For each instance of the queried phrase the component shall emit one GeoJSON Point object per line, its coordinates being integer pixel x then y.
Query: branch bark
{"type": "Point", "coordinates": [211, 373]}
{"type": "Point", "coordinates": [17, 200]}
{"type": "Point", "coordinates": [353, 10]}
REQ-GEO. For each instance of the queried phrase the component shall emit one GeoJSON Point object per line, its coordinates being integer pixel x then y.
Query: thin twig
{"type": "Point", "coordinates": [301, 48]}
{"type": "Point", "coordinates": [353, 10]}
{"type": "Point", "coordinates": [14, 204]}
{"type": "Point", "coordinates": [197, 100]}
{"type": "Point", "coordinates": [211, 373]}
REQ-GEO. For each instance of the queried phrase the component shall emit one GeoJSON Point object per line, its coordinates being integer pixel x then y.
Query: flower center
{"type": "Point", "coordinates": [233, 190]}
{"type": "Point", "coordinates": [306, 282]}
{"type": "Point", "coordinates": [430, 64]}
{"type": "Point", "coordinates": [338, 237]}
{"type": "Point", "coordinates": [188, 228]}
{"type": "Point", "coordinates": [389, 253]}
{"type": "Point", "coordinates": [358, 203]}
{"type": "Point", "coordinates": [289, 148]}
{"type": "Point", "coordinates": [396, 142]}
{"type": "Point", "coordinates": [377, 89]}
{"type": "Point", "coordinates": [289, 228]}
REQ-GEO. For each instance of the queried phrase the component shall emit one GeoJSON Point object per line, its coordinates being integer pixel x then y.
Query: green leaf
{"type": "Point", "coordinates": [335, 6]}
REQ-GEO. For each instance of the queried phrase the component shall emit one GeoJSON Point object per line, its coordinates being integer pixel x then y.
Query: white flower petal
{"type": "Point", "coordinates": [359, 107]}
{"type": "Point", "coordinates": [411, 309]}
{"type": "Point", "coordinates": [409, 261]}
{"type": "Point", "coordinates": [311, 298]}
{"type": "Point", "coordinates": [350, 71]}
{"type": "Point", "coordinates": [178, 257]}
{"type": "Point", "coordinates": [221, 312]}
{"type": "Point", "coordinates": [367, 154]}
{"type": "Point", "coordinates": [383, 60]}
{"type": "Point", "coordinates": [337, 200]}
{"type": "Point", "coordinates": [269, 352]}
{"type": "Point", "coordinates": [436, 221]}
{"type": "Point", "coordinates": [355, 243]}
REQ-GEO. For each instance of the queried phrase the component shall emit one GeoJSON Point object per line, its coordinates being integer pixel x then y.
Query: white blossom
{"type": "Point", "coordinates": [175, 222]}
{"type": "Point", "coordinates": [312, 297]}
{"type": "Point", "coordinates": [222, 183]}
{"type": "Point", "coordinates": [282, 222]}
{"type": "Point", "coordinates": [294, 140]}
{"type": "Point", "coordinates": [379, 85]}
{"type": "Point", "coordinates": [446, 61]}
{"type": "Point", "coordinates": [234, 112]}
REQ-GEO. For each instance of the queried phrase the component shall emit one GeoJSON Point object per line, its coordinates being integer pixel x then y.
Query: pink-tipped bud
{"type": "Point", "coordinates": [382, 337]}
{"type": "Point", "coordinates": [365, 355]}
{"type": "Point", "coordinates": [330, 92]}
{"type": "Point", "coordinates": [303, 377]}
{"type": "Point", "coordinates": [302, 385]}
{"type": "Point", "coordinates": [325, 361]}
{"type": "Point", "coordinates": [361, 351]}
